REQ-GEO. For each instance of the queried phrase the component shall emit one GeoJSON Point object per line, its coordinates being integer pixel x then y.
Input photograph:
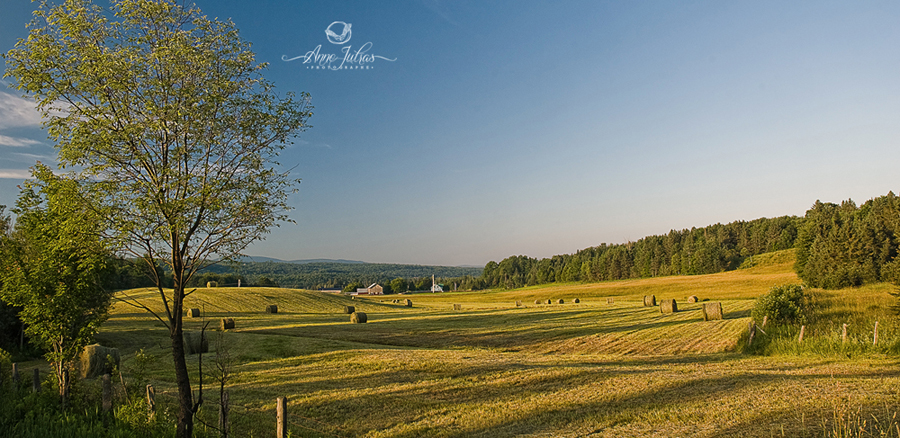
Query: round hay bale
{"type": "Point", "coordinates": [272, 308]}
{"type": "Point", "coordinates": [358, 318]}
{"type": "Point", "coordinates": [668, 306]}
{"type": "Point", "coordinates": [537, 301]}
{"type": "Point", "coordinates": [193, 344]}
{"type": "Point", "coordinates": [649, 300]}
{"type": "Point", "coordinates": [712, 311]}
{"type": "Point", "coordinates": [349, 309]}
{"type": "Point", "coordinates": [226, 324]}
{"type": "Point", "coordinates": [518, 304]}
{"type": "Point", "coordinates": [548, 301]}
{"type": "Point", "coordinates": [408, 302]}
{"type": "Point", "coordinates": [457, 307]}
{"type": "Point", "coordinates": [610, 300]}
{"type": "Point", "coordinates": [96, 360]}
{"type": "Point", "coordinates": [576, 301]}
{"type": "Point", "coordinates": [693, 299]}
{"type": "Point", "coordinates": [561, 301]}
{"type": "Point", "coordinates": [193, 313]}
{"type": "Point", "coordinates": [212, 284]}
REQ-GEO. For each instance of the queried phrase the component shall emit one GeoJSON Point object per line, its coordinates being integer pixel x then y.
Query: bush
{"type": "Point", "coordinates": [25, 414]}
{"type": "Point", "coordinates": [783, 304]}
{"type": "Point", "coordinates": [5, 367]}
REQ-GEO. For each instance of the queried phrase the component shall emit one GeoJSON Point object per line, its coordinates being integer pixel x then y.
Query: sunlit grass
{"type": "Point", "coordinates": [495, 369]}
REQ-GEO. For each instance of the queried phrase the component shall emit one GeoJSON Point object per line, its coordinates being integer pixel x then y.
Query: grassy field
{"type": "Point", "coordinates": [493, 369]}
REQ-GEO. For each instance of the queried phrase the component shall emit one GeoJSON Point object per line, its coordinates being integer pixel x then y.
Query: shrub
{"type": "Point", "coordinates": [5, 367]}
{"type": "Point", "coordinates": [783, 304]}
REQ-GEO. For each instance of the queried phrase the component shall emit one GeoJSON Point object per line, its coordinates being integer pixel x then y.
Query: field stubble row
{"type": "Point", "coordinates": [494, 369]}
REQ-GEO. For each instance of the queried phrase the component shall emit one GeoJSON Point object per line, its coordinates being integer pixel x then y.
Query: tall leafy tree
{"type": "Point", "coordinates": [166, 114]}
{"type": "Point", "coordinates": [842, 245]}
{"type": "Point", "coordinates": [53, 268]}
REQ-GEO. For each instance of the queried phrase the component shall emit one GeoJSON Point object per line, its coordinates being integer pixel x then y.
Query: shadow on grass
{"type": "Point", "coordinates": [413, 396]}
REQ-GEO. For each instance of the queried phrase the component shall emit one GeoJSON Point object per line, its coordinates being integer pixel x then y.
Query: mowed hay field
{"type": "Point", "coordinates": [493, 369]}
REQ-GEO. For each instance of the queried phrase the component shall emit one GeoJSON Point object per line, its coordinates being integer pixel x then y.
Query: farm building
{"type": "Point", "coordinates": [374, 289]}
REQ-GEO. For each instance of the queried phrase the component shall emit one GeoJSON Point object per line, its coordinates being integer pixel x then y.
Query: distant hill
{"type": "Point", "coordinates": [261, 259]}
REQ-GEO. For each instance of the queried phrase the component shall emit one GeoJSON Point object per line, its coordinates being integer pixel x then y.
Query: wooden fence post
{"type": "Point", "coordinates": [107, 393]}
{"type": "Point", "coordinates": [151, 400]}
{"type": "Point", "coordinates": [36, 381]}
{"type": "Point", "coordinates": [875, 339]}
{"type": "Point", "coordinates": [802, 330]}
{"type": "Point", "coordinates": [844, 334]}
{"type": "Point", "coordinates": [15, 375]}
{"type": "Point", "coordinates": [765, 320]}
{"type": "Point", "coordinates": [281, 418]}
{"type": "Point", "coordinates": [752, 330]}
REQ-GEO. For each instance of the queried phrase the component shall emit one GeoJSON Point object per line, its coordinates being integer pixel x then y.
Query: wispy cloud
{"type": "Point", "coordinates": [6, 140]}
{"type": "Point", "coordinates": [309, 144]}
{"type": "Point", "coordinates": [15, 173]}
{"type": "Point", "coordinates": [37, 157]}
{"type": "Point", "coordinates": [17, 112]}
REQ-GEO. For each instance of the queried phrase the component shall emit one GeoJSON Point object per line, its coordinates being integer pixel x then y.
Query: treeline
{"type": "Point", "coordinates": [127, 274]}
{"type": "Point", "coordinates": [330, 275]}
{"type": "Point", "coordinates": [845, 245]}
{"type": "Point", "coordinates": [837, 246]}
{"type": "Point", "coordinates": [706, 250]}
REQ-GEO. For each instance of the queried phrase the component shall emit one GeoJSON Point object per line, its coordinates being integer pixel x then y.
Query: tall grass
{"type": "Point", "coordinates": [849, 420]}
{"type": "Point", "coordinates": [24, 414]}
{"type": "Point", "coordinates": [826, 314]}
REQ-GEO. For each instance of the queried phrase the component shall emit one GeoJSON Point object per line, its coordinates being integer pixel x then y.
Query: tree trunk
{"type": "Point", "coordinates": [185, 426]}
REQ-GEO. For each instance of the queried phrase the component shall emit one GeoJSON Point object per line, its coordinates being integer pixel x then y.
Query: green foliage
{"type": "Point", "coordinates": [170, 122]}
{"type": "Point", "coordinates": [138, 370]}
{"type": "Point", "coordinates": [54, 266]}
{"type": "Point", "coordinates": [707, 250]}
{"type": "Point", "coordinates": [27, 415]}
{"type": "Point", "coordinates": [333, 275]}
{"type": "Point", "coordinates": [825, 314]}
{"type": "Point", "coordinates": [223, 280]}
{"type": "Point", "coordinates": [783, 304]}
{"type": "Point", "coordinates": [5, 367]}
{"type": "Point", "coordinates": [352, 287]}
{"type": "Point", "coordinates": [399, 285]}
{"type": "Point", "coordinates": [842, 245]}
{"type": "Point", "coordinates": [264, 281]}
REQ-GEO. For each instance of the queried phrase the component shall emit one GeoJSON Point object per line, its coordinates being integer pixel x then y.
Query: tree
{"type": "Point", "coordinates": [166, 116]}
{"type": "Point", "coordinates": [265, 282]}
{"type": "Point", "coordinates": [399, 285]}
{"type": "Point", "coordinates": [53, 267]}
{"type": "Point", "coordinates": [11, 325]}
{"type": "Point", "coordinates": [352, 287]}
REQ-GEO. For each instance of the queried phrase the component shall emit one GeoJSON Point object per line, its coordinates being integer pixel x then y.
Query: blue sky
{"type": "Point", "coordinates": [540, 128]}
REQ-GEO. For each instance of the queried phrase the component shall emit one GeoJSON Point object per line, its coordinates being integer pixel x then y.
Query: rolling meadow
{"type": "Point", "coordinates": [603, 367]}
